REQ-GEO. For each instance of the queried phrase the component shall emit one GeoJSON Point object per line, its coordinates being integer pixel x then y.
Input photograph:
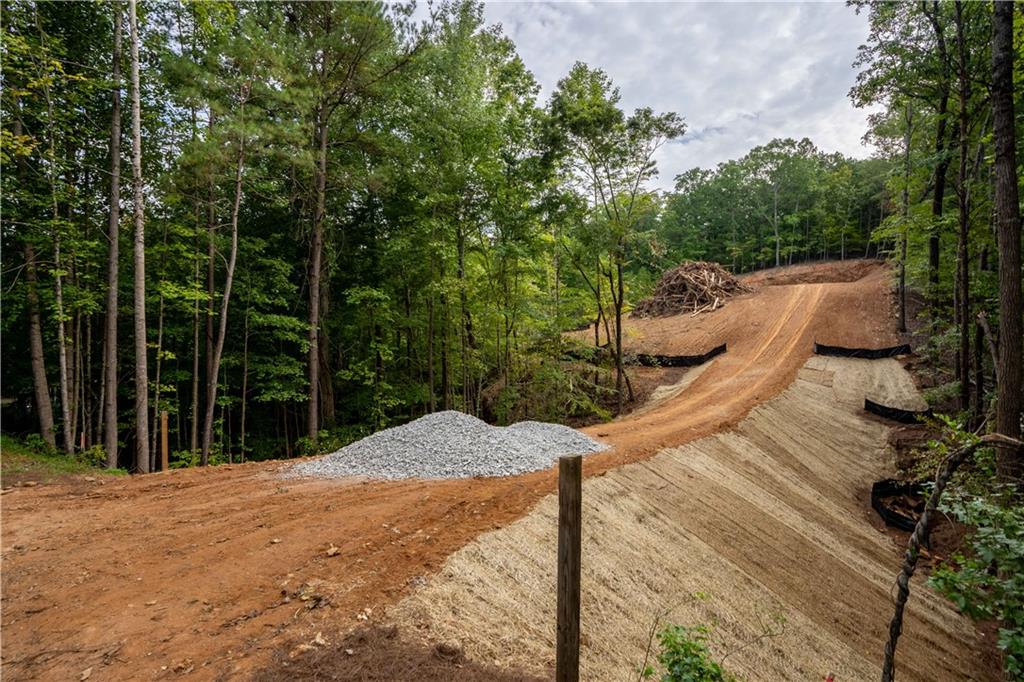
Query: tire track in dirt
{"type": "Point", "coordinates": [82, 561]}
{"type": "Point", "coordinates": [754, 368]}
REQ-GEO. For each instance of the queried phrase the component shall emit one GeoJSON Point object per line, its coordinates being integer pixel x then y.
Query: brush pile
{"type": "Point", "coordinates": [691, 287]}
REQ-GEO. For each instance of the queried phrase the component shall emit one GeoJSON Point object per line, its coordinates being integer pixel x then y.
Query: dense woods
{"type": "Point", "coordinates": [944, 75]}
{"type": "Point", "coordinates": [341, 218]}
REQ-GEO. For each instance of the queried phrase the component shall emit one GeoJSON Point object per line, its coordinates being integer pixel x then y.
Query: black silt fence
{"type": "Point", "coordinates": [896, 413]}
{"type": "Point", "coordinates": [678, 360]}
{"type": "Point", "coordinates": [646, 360]}
{"type": "Point", "coordinates": [864, 353]}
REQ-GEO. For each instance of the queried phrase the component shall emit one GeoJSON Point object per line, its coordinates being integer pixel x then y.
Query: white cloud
{"type": "Point", "coordinates": [739, 73]}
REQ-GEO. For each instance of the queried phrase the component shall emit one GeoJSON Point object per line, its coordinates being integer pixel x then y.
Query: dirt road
{"type": "Point", "coordinates": [204, 573]}
{"type": "Point", "coordinates": [769, 333]}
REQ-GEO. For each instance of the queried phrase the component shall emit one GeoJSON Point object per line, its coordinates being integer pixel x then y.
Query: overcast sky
{"type": "Point", "coordinates": [740, 74]}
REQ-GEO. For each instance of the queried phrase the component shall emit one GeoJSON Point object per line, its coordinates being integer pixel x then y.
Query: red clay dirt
{"type": "Point", "coordinates": [209, 573]}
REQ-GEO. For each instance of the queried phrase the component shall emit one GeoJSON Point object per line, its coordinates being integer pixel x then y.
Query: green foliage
{"type": "Point", "coordinates": [684, 656]}
{"type": "Point", "coordinates": [329, 441]}
{"type": "Point", "coordinates": [786, 195]}
{"type": "Point", "coordinates": [35, 443]}
{"type": "Point", "coordinates": [34, 459]}
{"type": "Point", "coordinates": [987, 581]}
{"type": "Point", "coordinates": [183, 459]}
{"type": "Point", "coordinates": [94, 456]}
{"type": "Point", "coordinates": [554, 391]}
{"type": "Point", "coordinates": [467, 223]}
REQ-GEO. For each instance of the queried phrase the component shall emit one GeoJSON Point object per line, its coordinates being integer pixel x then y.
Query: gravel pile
{"type": "Point", "coordinates": [451, 444]}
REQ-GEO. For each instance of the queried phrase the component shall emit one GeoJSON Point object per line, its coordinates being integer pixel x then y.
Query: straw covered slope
{"type": "Point", "coordinates": [767, 519]}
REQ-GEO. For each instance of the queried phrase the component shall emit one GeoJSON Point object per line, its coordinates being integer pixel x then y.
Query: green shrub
{"type": "Point", "coordinates": [553, 391]}
{"type": "Point", "coordinates": [96, 456]}
{"type": "Point", "coordinates": [36, 444]}
{"type": "Point", "coordinates": [988, 582]}
{"type": "Point", "coordinates": [685, 657]}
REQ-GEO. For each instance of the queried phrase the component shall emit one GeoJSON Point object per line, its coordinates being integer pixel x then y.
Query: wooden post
{"type": "Point", "coordinates": [164, 441]}
{"type": "Point", "coordinates": [570, 527]}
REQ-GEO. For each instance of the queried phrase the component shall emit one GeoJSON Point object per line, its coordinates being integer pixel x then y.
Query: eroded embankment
{"type": "Point", "coordinates": [769, 518]}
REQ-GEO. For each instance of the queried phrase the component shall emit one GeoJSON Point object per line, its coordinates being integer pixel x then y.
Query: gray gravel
{"type": "Point", "coordinates": [451, 444]}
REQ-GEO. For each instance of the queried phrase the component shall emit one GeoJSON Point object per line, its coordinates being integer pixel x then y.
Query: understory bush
{"type": "Point", "coordinates": [986, 578]}
{"type": "Point", "coordinates": [684, 656]}
{"type": "Point", "coordinates": [553, 391]}
{"type": "Point", "coordinates": [987, 581]}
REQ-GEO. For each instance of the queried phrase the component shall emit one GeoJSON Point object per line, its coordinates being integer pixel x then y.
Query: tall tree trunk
{"type": "Point", "coordinates": [963, 203]}
{"type": "Point", "coordinates": [978, 408]}
{"type": "Point", "coordinates": [942, 160]}
{"type": "Point", "coordinates": [620, 372]}
{"type": "Point", "coordinates": [905, 213]}
{"type": "Point", "coordinates": [468, 338]}
{"type": "Point", "coordinates": [100, 423]}
{"type": "Point", "coordinates": [775, 224]}
{"type": "Point", "coordinates": [139, 257]}
{"type": "Point", "coordinates": [446, 393]}
{"type": "Point", "coordinates": [211, 249]}
{"type": "Point", "coordinates": [327, 405]}
{"type": "Point", "coordinates": [407, 298]}
{"type": "Point", "coordinates": [62, 349]}
{"type": "Point", "coordinates": [41, 386]}
{"type": "Point", "coordinates": [245, 385]}
{"type": "Point", "coordinates": [194, 426]}
{"type": "Point", "coordinates": [78, 382]}
{"type": "Point", "coordinates": [430, 354]}
{"type": "Point", "coordinates": [194, 419]}
{"type": "Point", "coordinates": [88, 407]}
{"type": "Point", "coordinates": [1010, 464]}
{"type": "Point", "coordinates": [159, 362]}
{"type": "Point", "coordinates": [218, 348]}
{"type": "Point", "coordinates": [62, 352]}
{"type": "Point", "coordinates": [156, 383]}
{"type": "Point", "coordinates": [315, 258]}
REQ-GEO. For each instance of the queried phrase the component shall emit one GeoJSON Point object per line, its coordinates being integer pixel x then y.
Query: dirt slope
{"type": "Point", "coordinates": [767, 519]}
{"type": "Point", "coordinates": [769, 334]}
{"type": "Point", "coordinates": [200, 572]}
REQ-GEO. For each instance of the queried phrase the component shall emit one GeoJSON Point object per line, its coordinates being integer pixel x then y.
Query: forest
{"type": "Point", "coordinates": [289, 225]}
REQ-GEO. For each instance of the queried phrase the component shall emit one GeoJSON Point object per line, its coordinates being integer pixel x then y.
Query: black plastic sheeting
{"type": "Point", "coordinates": [678, 360]}
{"type": "Point", "coordinates": [646, 360]}
{"type": "Point", "coordinates": [896, 413]}
{"type": "Point", "coordinates": [865, 353]}
{"type": "Point", "coordinates": [888, 489]}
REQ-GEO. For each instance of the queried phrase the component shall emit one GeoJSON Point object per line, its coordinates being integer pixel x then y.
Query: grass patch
{"type": "Point", "coordinates": [21, 462]}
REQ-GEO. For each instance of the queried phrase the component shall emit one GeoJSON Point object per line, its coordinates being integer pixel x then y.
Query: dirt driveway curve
{"type": "Point", "coordinates": [205, 573]}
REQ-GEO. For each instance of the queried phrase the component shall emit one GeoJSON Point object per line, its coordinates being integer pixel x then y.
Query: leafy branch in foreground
{"type": "Point", "coordinates": [685, 655]}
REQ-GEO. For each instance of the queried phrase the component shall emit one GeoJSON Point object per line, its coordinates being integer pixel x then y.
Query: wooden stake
{"type": "Point", "coordinates": [164, 441]}
{"type": "Point", "coordinates": [570, 527]}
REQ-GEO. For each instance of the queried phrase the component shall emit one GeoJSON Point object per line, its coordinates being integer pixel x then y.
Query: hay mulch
{"type": "Point", "coordinates": [691, 287]}
{"type": "Point", "coordinates": [738, 530]}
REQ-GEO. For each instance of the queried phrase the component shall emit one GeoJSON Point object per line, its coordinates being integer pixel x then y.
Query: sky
{"type": "Point", "coordinates": [740, 74]}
